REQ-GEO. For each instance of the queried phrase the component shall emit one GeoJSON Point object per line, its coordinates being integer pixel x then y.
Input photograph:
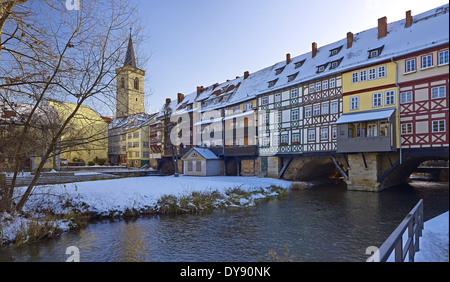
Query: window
{"type": "Point", "coordinates": [335, 51]}
{"type": "Point", "coordinates": [278, 71]}
{"type": "Point", "coordinates": [335, 64]}
{"type": "Point", "coordinates": [136, 154]}
{"type": "Point", "coordinates": [264, 100]}
{"type": "Point", "coordinates": [272, 83]}
{"type": "Point", "coordinates": [284, 139]}
{"type": "Point", "coordinates": [198, 166]}
{"type": "Point", "coordinates": [266, 142]}
{"type": "Point", "coordinates": [311, 88]}
{"type": "Point", "coordinates": [122, 82]}
{"type": "Point", "coordinates": [295, 115]}
{"type": "Point", "coordinates": [354, 103]}
{"type": "Point", "coordinates": [334, 132]}
{"type": "Point", "coordinates": [377, 100]}
{"type": "Point", "coordinates": [279, 117]}
{"type": "Point", "coordinates": [407, 128]}
{"type": "Point", "coordinates": [389, 97]}
{"type": "Point", "coordinates": [318, 86]}
{"type": "Point", "coordinates": [321, 68]}
{"type": "Point", "coordinates": [325, 84]}
{"type": "Point", "coordinates": [129, 144]}
{"type": "Point", "coordinates": [146, 154]}
{"type": "Point", "coordinates": [373, 54]}
{"type": "Point", "coordinates": [354, 77]}
{"type": "Point", "coordinates": [427, 61]}
{"type": "Point", "coordinates": [438, 92]}
{"type": "Point", "coordinates": [363, 75]}
{"type": "Point", "coordinates": [410, 65]}
{"type": "Point", "coordinates": [384, 128]}
{"type": "Point", "coordinates": [295, 138]}
{"type": "Point", "coordinates": [316, 110]}
{"type": "Point", "coordinates": [381, 71]}
{"type": "Point", "coordinates": [439, 125]}
{"type": "Point", "coordinates": [267, 118]}
{"type": "Point", "coordinates": [443, 58]}
{"type": "Point", "coordinates": [136, 83]}
{"type": "Point", "coordinates": [308, 112]}
{"type": "Point", "coordinates": [136, 144]}
{"type": "Point", "coordinates": [311, 135]}
{"type": "Point", "coordinates": [325, 108]}
{"type": "Point", "coordinates": [136, 134]}
{"type": "Point", "coordinates": [372, 74]}
{"type": "Point", "coordinates": [299, 64]}
{"type": "Point", "coordinates": [334, 108]}
{"type": "Point", "coordinates": [190, 166]}
{"type": "Point", "coordinates": [145, 144]}
{"type": "Point", "coordinates": [324, 134]}
{"type": "Point", "coordinates": [332, 83]}
{"type": "Point", "coordinates": [294, 93]}
{"type": "Point", "coordinates": [248, 106]}
{"type": "Point", "coordinates": [406, 97]}
{"type": "Point", "coordinates": [371, 130]}
{"type": "Point", "coordinates": [278, 97]}
{"type": "Point", "coordinates": [292, 77]}
{"type": "Point", "coordinates": [129, 135]}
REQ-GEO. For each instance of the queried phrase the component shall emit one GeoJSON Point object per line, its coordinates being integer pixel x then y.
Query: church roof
{"type": "Point", "coordinates": [130, 59]}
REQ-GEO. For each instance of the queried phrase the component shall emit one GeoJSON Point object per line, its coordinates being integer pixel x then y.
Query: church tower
{"type": "Point", "coordinates": [130, 86]}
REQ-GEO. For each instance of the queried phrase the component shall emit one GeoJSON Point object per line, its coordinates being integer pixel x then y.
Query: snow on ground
{"type": "Point", "coordinates": [433, 244]}
{"type": "Point", "coordinates": [119, 194]}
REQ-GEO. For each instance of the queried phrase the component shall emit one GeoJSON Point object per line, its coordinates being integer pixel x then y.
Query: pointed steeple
{"type": "Point", "coordinates": [130, 60]}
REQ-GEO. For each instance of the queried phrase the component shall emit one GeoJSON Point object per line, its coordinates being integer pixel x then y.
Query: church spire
{"type": "Point", "coordinates": [130, 60]}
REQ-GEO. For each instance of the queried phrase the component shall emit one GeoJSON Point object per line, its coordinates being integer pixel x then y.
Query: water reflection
{"type": "Point", "coordinates": [327, 223]}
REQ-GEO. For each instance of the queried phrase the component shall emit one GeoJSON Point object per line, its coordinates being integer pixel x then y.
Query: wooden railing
{"type": "Point", "coordinates": [414, 223]}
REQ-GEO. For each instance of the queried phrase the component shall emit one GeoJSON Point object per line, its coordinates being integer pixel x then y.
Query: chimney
{"type": "Point", "coordinates": [168, 101]}
{"type": "Point", "coordinates": [180, 97]}
{"type": "Point", "coordinates": [199, 90]}
{"type": "Point", "coordinates": [246, 74]}
{"type": "Point", "coordinates": [314, 49]}
{"type": "Point", "coordinates": [408, 19]}
{"type": "Point", "coordinates": [349, 40]}
{"type": "Point", "coordinates": [382, 27]}
{"type": "Point", "coordinates": [288, 59]}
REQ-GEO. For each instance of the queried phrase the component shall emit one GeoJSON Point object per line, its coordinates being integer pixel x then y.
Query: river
{"type": "Point", "coordinates": [325, 223]}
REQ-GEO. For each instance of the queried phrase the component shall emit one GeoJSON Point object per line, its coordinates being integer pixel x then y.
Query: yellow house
{"type": "Point", "coordinates": [86, 136]}
{"type": "Point", "coordinates": [370, 109]}
{"type": "Point", "coordinates": [238, 118]}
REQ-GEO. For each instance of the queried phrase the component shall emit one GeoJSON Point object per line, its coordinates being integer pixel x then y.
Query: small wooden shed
{"type": "Point", "coordinates": [201, 162]}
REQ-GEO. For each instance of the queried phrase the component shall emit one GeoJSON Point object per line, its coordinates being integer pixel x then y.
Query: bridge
{"type": "Point", "coordinates": [367, 171]}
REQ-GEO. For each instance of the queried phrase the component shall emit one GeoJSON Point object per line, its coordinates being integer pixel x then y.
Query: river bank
{"type": "Point", "coordinates": [54, 209]}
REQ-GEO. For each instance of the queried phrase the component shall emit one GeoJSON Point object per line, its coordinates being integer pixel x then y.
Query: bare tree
{"type": "Point", "coordinates": [50, 53]}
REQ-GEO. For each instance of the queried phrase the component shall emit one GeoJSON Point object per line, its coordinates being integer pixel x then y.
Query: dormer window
{"type": "Point", "coordinates": [279, 71]}
{"type": "Point", "coordinates": [299, 64]}
{"type": "Point", "coordinates": [321, 68]}
{"type": "Point", "coordinates": [292, 77]}
{"type": "Point", "coordinates": [375, 52]}
{"type": "Point", "coordinates": [272, 83]}
{"type": "Point", "coordinates": [335, 64]}
{"type": "Point", "coordinates": [335, 51]}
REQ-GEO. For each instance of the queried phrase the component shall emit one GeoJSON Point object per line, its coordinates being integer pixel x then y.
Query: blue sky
{"type": "Point", "coordinates": [194, 43]}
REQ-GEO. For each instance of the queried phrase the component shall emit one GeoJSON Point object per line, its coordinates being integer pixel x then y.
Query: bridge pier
{"type": "Point", "coordinates": [367, 169]}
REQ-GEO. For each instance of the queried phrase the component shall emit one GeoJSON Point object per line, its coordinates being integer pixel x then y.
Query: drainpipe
{"type": "Point", "coordinates": [398, 108]}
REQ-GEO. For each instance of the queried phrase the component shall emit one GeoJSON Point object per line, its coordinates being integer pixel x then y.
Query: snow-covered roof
{"type": "Point", "coordinates": [205, 153]}
{"type": "Point", "coordinates": [128, 122]}
{"type": "Point", "coordinates": [428, 29]}
{"type": "Point", "coordinates": [366, 116]}
{"type": "Point", "coordinates": [17, 113]}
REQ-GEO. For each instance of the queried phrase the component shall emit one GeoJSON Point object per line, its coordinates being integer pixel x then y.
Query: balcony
{"type": "Point", "coordinates": [365, 144]}
{"type": "Point", "coordinates": [241, 151]}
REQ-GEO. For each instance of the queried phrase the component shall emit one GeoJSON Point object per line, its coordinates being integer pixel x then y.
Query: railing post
{"type": "Point", "coordinates": [411, 240]}
{"type": "Point", "coordinates": [399, 251]}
